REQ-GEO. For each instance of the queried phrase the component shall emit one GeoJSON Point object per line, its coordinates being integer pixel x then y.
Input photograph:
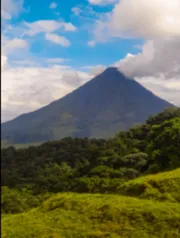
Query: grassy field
{"type": "Point", "coordinates": [85, 215]}
{"type": "Point", "coordinates": [162, 186]}
{"type": "Point", "coordinates": [139, 214]}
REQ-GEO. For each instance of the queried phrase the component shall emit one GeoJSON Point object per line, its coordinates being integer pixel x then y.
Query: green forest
{"type": "Point", "coordinates": [126, 186]}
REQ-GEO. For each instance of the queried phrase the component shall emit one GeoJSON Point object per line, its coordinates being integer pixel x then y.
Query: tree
{"type": "Point", "coordinates": [164, 145]}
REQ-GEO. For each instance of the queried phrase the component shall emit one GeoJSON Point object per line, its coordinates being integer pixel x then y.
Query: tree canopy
{"type": "Point", "coordinates": [94, 165]}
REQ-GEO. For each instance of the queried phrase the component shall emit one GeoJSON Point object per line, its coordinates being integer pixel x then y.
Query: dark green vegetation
{"type": "Point", "coordinates": [108, 103]}
{"type": "Point", "coordinates": [96, 165]}
{"type": "Point", "coordinates": [133, 178]}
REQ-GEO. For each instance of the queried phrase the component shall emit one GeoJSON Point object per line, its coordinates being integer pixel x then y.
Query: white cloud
{"type": "Point", "coordinates": [69, 27]}
{"type": "Point", "coordinates": [25, 62]}
{"type": "Point", "coordinates": [148, 19]}
{"type": "Point", "coordinates": [156, 67]}
{"type": "Point", "coordinates": [3, 61]}
{"type": "Point", "coordinates": [61, 40]}
{"type": "Point", "coordinates": [158, 58]}
{"type": "Point", "coordinates": [47, 26]}
{"type": "Point", "coordinates": [136, 18]}
{"type": "Point", "coordinates": [61, 67]}
{"type": "Point", "coordinates": [102, 2]}
{"type": "Point", "coordinates": [10, 8]}
{"type": "Point", "coordinates": [53, 5]}
{"type": "Point", "coordinates": [10, 45]}
{"type": "Point", "coordinates": [42, 26]}
{"type": "Point", "coordinates": [91, 43]}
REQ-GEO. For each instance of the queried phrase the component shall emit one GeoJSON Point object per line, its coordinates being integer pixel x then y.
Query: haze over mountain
{"type": "Point", "coordinates": [105, 105]}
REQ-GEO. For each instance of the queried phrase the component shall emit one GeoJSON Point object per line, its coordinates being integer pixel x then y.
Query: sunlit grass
{"type": "Point", "coordinates": [162, 186]}
{"type": "Point", "coordinates": [87, 215]}
{"type": "Point", "coordinates": [150, 208]}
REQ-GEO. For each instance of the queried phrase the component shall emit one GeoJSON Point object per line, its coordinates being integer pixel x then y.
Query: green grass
{"type": "Point", "coordinates": [149, 208]}
{"type": "Point", "coordinates": [85, 215]}
{"type": "Point", "coordinates": [162, 186]}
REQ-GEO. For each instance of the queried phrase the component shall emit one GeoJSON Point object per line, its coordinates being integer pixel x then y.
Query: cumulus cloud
{"type": "Point", "coordinates": [10, 8]}
{"type": "Point", "coordinates": [42, 26]}
{"type": "Point", "coordinates": [146, 19]}
{"type": "Point", "coordinates": [24, 62]}
{"type": "Point", "coordinates": [47, 26]}
{"type": "Point", "coordinates": [158, 57]}
{"type": "Point", "coordinates": [61, 40]}
{"type": "Point", "coordinates": [158, 23]}
{"type": "Point", "coordinates": [9, 45]}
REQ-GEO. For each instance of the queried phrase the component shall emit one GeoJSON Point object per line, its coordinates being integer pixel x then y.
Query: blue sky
{"type": "Point", "coordinates": [79, 52]}
{"type": "Point", "coordinates": [49, 48]}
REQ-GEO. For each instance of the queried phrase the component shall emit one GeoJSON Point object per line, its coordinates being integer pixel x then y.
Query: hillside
{"type": "Point", "coordinates": [126, 186]}
{"type": "Point", "coordinates": [91, 216]}
{"type": "Point", "coordinates": [94, 165]}
{"type": "Point", "coordinates": [108, 103]}
{"type": "Point", "coordinates": [162, 186]}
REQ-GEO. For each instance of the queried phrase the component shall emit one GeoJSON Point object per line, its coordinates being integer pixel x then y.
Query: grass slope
{"type": "Point", "coordinates": [162, 186]}
{"type": "Point", "coordinates": [85, 215]}
{"type": "Point", "coordinates": [69, 215]}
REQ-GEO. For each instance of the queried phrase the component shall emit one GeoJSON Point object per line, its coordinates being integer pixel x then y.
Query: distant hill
{"type": "Point", "coordinates": [108, 103]}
